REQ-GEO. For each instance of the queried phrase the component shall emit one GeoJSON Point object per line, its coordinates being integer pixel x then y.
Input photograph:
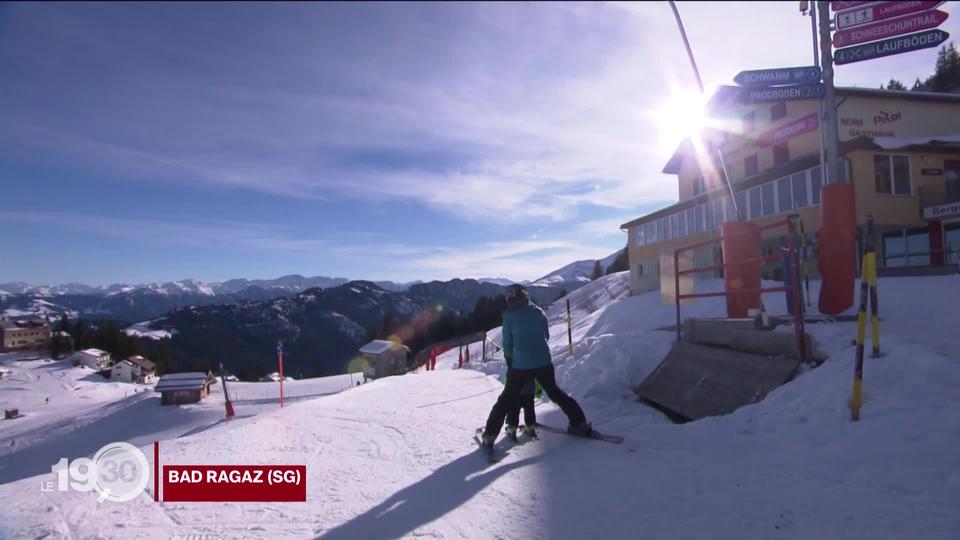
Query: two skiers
{"type": "Point", "coordinates": [525, 348]}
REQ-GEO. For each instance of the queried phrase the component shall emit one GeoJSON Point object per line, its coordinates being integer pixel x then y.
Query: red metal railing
{"type": "Point", "coordinates": [791, 255]}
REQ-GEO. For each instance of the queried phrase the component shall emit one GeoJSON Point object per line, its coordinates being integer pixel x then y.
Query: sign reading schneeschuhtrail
{"type": "Point", "coordinates": [889, 28]}
{"type": "Point", "coordinates": [881, 11]}
{"type": "Point", "coordinates": [782, 93]}
{"type": "Point", "coordinates": [889, 47]}
{"type": "Point", "coordinates": [778, 76]}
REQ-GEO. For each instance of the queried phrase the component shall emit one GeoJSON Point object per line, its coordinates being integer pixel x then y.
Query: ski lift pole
{"type": "Point", "coordinates": [280, 363]}
{"type": "Point", "coordinates": [867, 293]}
{"type": "Point", "coordinates": [226, 396]}
{"type": "Point", "coordinates": [871, 256]}
{"type": "Point", "coordinates": [569, 330]}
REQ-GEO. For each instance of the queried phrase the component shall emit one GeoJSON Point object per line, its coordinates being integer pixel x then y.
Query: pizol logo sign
{"type": "Point", "coordinates": [118, 472]}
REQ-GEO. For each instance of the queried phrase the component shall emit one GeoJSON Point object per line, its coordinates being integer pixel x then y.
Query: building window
{"type": "Point", "coordinates": [756, 205]}
{"type": "Point", "coordinates": [751, 166]}
{"type": "Point", "coordinates": [640, 270]}
{"type": "Point", "coordinates": [781, 154]}
{"type": "Point", "coordinates": [768, 199]}
{"type": "Point", "coordinates": [698, 217]}
{"type": "Point", "coordinates": [784, 195]}
{"type": "Point", "coordinates": [892, 174]}
{"type": "Point", "coordinates": [816, 180]}
{"type": "Point", "coordinates": [909, 247]}
{"type": "Point", "coordinates": [750, 122]}
{"type": "Point", "coordinates": [741, 197]}
{"type": "Point", "coordinates": [951, 243]}
{"type": "Point", "coordinates": [691, 223]}
{"type": "Point", "coordinates": [799, 187]}
{"type": "Point", "coordinates": [699, 186]}
{"type": "Point", "coordinates": [718, 216]}
{"type": "Point", "coordinates": [778, 111]}
{"type": "Point", "coordinates": [708, 216]}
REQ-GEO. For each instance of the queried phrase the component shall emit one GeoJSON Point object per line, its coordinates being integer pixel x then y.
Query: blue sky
{"type": "Point", "coordinates": [152, 142]}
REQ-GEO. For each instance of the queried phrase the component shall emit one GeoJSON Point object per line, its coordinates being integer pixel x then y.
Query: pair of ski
{"type": "Point", "coordinates": [493, 456]}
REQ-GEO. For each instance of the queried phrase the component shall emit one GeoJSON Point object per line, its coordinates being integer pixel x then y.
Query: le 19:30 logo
{"type": "Point", "coordinates": [119, 472]}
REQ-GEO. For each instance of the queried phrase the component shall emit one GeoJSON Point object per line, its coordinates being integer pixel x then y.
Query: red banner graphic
{"type": "Point", "coordinates": [785, 133]}
{"type": "Point", "coordinates": [234, 483]}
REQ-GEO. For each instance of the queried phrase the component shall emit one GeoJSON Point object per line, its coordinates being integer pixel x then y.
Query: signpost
{"type": "Point", "coordinates": [890, 28]}
{"type": "Point", "coordinates": [888, 47]}
{"type": "Point", "coordinates": [776, 76]}
{"type": "Point", "coordinates": [783, 93]}
{"type": "Point", "coordinates": [881, 11]}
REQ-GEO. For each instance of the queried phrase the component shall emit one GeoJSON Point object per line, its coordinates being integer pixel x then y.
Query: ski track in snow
{"type": "Point", "coordinates": [395, 457]}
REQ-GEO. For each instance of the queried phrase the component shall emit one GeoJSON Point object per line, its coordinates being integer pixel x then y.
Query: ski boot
{"type": "Point", "coordinates": [511, 432]}
{"type": "Point", "coordinates": [530, 431]}
{"type": "Point", "coordinates": [486, 441]}
{"type": "Point", "coordinates": [583, 429]}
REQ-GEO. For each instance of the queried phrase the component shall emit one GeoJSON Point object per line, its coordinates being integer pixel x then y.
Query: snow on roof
{"type": "Point", "coordinates": [94, 352]}
{"type": "Point", "coordinates": [893, 143]}
{"type": "Point", "coordinates": [181, 381]}
{"type": "Point", "coordinates": [378, 346]}
{"type": "Point", "coordinates": [142, 362]}
{"type": "Point", "coordinates": [186, 375]}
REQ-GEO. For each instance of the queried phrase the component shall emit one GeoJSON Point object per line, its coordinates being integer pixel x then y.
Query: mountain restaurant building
{"type": "Point", "coordinates": [901, 150]}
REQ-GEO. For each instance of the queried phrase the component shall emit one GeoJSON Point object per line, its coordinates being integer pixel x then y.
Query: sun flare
{"type": "Point", "coordinates": [681, 116]}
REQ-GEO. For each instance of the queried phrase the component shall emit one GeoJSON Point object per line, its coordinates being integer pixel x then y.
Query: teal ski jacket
{"type": "Point", "coordinates": [525, 337]}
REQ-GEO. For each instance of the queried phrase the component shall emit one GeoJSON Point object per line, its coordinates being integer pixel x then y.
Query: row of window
{"type": "Point", "coordinates": [911, 247]}
{"type": "Point", "coordinates": [779, 196]}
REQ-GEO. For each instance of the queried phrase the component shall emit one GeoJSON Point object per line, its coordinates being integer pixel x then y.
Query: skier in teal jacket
{"type": "Point", "coordinates": [525, 348]}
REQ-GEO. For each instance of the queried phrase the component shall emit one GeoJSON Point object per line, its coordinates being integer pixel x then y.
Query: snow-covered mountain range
{"type": "Point", "coordinates": [133, 303]}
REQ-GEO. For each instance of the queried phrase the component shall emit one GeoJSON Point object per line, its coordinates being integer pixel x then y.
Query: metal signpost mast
{"type": "Point", "coordinates": [696, 72]}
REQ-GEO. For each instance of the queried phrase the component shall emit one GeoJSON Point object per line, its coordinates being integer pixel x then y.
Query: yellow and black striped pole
{"type": "Point", "coordinates": [569, 330]}
{"type": "Point", "coordinates": [868, 291]}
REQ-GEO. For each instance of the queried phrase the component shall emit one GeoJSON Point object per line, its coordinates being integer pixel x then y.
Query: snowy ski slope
{"type": "Point", "coordinates": [394, 458]}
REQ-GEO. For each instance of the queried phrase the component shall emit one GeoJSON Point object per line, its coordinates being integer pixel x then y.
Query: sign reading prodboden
{"type": "Point", "coordinates": [782, 93]}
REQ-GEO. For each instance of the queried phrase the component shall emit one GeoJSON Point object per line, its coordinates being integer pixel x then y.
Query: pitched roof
{"type": "Point", "coordinates": [94, 352]}
{"type": "Point", "coordinates": [181, 381]}
{"type": "Point", "coordinates": [379, 346]}
{"type": "Point", "coordinates": [142, 362]}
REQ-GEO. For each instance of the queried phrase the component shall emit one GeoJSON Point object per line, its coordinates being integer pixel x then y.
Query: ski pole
{"type": "Point", "coordinates": [569, 330]}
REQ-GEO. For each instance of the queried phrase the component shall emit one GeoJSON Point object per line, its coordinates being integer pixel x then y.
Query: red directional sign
{"type": "Point", "coordinates": [881, 11]}
{"type": "Point", "coordinates": [889, 28]}
{"type": "Point", "coordinates": [837, 6]}
{"type": "Point", "coordinates": [785, 133]}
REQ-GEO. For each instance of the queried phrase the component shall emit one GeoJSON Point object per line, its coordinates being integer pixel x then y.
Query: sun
{"type": "Point", "coordinates": [681, 116]}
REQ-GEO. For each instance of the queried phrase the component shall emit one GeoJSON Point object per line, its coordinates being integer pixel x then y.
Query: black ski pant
{"type": "Point", "coordinates": [509, 398]}
{"type": "Point", "coordinates": [524, 401]}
